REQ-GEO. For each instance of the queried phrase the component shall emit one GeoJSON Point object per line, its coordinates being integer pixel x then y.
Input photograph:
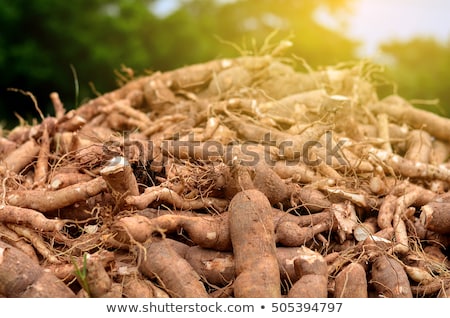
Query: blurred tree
{"type": "Point", "coordinates": [205, 29]}
{"type": "Point", "coordinates": [253, 20]}
{"type": "Point", "coordinates": [42, 41]}
{"type": "Point", "coordinates": [421, 70]}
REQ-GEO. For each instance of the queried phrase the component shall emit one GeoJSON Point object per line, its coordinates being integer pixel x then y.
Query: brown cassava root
{"type": "Point", "coordinates": [173, 272]}
{"type": "Point", "coordinates": [45, 201]}
{"type": "Point", "coordinates": [250, 214]}
{"type": "Point", "coordinates": [21, 277]}
{"type": "Point", "coordinates": [311, 267]}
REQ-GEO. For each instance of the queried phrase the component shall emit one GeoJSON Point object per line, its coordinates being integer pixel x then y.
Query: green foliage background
{"type": "Point", "coordinates": [43, 41]}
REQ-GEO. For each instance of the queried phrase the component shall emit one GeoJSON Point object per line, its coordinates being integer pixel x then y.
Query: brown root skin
{"type": "Point", "coordinates": [291, 234]}
{"type": "Point", "coordinates": [311, 267]}
{"type": "Point", "coordinates": [239, 178]}
{"type": "Point", "coordinates": [197, 76]}
{"type": "Point", "coordinates": [296, 170]}
{"type": "Point", "coordinates": [173, 272]}
{"type": "Point", "coordinates": [120, 178]}
{"type": "Point", "coordinates": [402, 196]}
{"type": "Point", "coordinates": [309, 286]}
{"type": "Point", "coordinates": [399, 110]}
{"type": "Point", "coordinates": [207, 231]}
{"type": "Point", "coordinates": [419, 145]}
{"type": "Point", "coordinates": [389, 278]}
{"type": "Point", "coordinates": [159, 194]}
{"type": "Point", "coordinates": [435, 217]}
{"type": "Point", "coordinates": [62, 180]}
{"type": "Point", "coordinates": [41, 170]}
{"type": "Point", "coordinates": [302, 220]}
{"type": "Point", "coordinates": [46, 201]}
{"type": "Point", "coordinates": [291, 147]}
{"type": "Point", "coordinates": [12, 238]}
{"type": "Point", "coordinates": [58, 106]}
{"type": "Point", "coordinates": [37, 242]}
{"type": "Point", "coordinates": [215, 266]}
{"type": "Point", "coordinates": [218, 268]}
{"type": "Point", "coordinates": [409, 168]}
{"type": "Point", "coordinates": [29, 217]}
{"type": "Point", "coordinates": [269, 183]}
{"type": "Point", "coordinates": [444, 293]}
{"type": "Point", "coordinates": [440, 287]}
{"type": "Point", "coordinates": [311, 199]}
{"type": "Point", "coordinates": [66, 271]}
{"type": "Point", "coordinates": [351, 282]}
{"type": "Point", "coordinates": [20, 157]}
{"type": "Point", "coordinates": [260, 177]}
{"type": "Point", "coordinates": [383, 131]}
{"type": "Point", "coordinates": [137, 287]}
{"type": "Point", "coordinates": [97, 279]}
{"type": "Point", "coordinates": [21, 277]}
{"type": "Point", "coordinates": [77, 118]}
{"type": "Point", "coordinates": [233, 78]}
{"type": "Point", "coordinates": [256, 265]}
{"type": "Point", "coordinates": [346, 219]}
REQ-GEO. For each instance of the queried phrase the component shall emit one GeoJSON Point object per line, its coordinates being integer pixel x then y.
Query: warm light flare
{"type": "Point", "coordinates": [375, 22]}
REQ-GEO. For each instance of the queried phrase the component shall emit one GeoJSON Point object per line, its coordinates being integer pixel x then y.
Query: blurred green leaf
{"type": "Point", "coordinates": [421, 69]}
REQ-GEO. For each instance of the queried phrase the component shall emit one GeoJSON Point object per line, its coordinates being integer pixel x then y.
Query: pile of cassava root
{"type": "Point", "coordinates": [240, 177]}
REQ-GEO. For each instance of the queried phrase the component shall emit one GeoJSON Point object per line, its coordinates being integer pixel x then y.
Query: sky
{"type": "Point", "coordinates": [377, 21]}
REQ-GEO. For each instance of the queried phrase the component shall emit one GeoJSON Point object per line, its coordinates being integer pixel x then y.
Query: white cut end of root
{"type": "Point", "coordinates": [380, 154]}
{"type": "Point", "coordinates": [80, 119]}
{"type": "Point", "coordinates": [290, 261]}
{"type": "Point", "coordinates": [125, 270]}
{"type": "Point", "coordinates": [56, 183]}
{"type": "Point", "coordinates": [2, 250]}
{"type": "Point", "coordinates": [340, 98]}
{"type": "Point", "coordinates": [426, 214]}
{"type": "Point", "coordinates": [212, 121]}
{"type": "Point", "coordinates": [211, 235]}
{"type": "Point", "coordinates": [13, 197]}
{"type": "Point", "coordinates": [331, 182]}
{"type": "Point", "coordinates": [226, 63]}
{"type": "Point", "coordinates": [115, 165]}
{"type": "Point", "coordinates": [375, 238]}
{"type": "Point", "coordinates": [309, 255]}
{"type": "Point", "coordinates": [404, 129]}
{"type": "Point", "coordinates": [91, 229]}
{"type": "Point", "coordinates": [118, 161]}
{"type": "Point", "coordinates": [361, 232]}
{"type": "Point", "coordinates": [233, 102]}
{"type": "Point", "coordinates": [219, 264]}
